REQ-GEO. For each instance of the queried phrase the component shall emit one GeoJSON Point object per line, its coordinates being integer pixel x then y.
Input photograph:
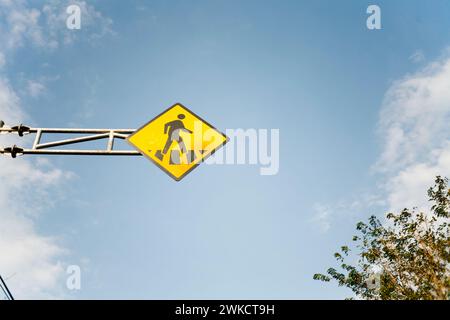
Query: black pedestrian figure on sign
{"type": "Point", "coordinates": [173, 129]}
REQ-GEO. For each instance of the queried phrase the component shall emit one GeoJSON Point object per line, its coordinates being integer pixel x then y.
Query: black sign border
{"type": "Point", "coordinates": [193, 167]}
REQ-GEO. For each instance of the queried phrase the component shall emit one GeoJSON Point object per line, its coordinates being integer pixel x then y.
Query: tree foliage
{"type": "Point", "coordinates": [406, 257]}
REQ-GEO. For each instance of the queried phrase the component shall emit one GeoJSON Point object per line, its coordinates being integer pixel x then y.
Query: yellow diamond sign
{"type": "Point", "coordinates": [177, 140]}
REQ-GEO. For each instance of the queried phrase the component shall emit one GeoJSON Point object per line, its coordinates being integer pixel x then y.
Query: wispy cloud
{"type": "Point", "coordinates": [9, 103]}
{"type": "Point", "coordinates": [24, 186]}
{"type": "Point", "coordinates": [2, 60]}
{"type": "Point", "coordinates": [45, 27]}
{"type": "Point", "coordinates": [94, 25]}
{"type": "Point", "coordinates": [417, 56]}
{"type": "Point", "coordinates": [415, 116]}
{"type": "Point", "coordinates": [35, 88]}
{"type": "Point", "coordinates": [414, 127]}
{"type": "Point", "coordinates": [35, 260]}
{"type": "Point", "coordinates": [19, 24]}
{"type": "Point", "coordinates": [324, 215]}
{"type": "Point", "coordinates": [415, 134]}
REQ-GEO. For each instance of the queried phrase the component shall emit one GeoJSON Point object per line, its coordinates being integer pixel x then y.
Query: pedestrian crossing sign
{"type": "Point", "coordinates": [177, 140]}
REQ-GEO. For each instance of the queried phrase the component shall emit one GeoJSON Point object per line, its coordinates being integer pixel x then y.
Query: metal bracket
{"type": "Point", "coordinates": [13, 151]}
{"type": "Point", "coordinates": [21, 129]}
{"type": "Point", "coordinates": [48, 148]}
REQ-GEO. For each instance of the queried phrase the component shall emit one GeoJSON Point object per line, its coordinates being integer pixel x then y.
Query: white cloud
{"type": "Point", "coordinates": [32, 258]}
{"type": "Point", "coordinates": [322, 216]}
{"type": "Point", "coordinates": [417, 56]}
{"type": "Point", "coordinates": [9, 102]}
{"type": "Point", "coordinates": [415, 117]}
{"type": "Point", "coordinates": [407, 189]}
{"type": "Point", "coordinates": [2, 60]}
{"type": "Point", "coordinates": [20, 24]}
{"type": "Point", "coordinates": [45, 27]}
{"type": "Point", "coordinates": [414, 125]}
{"type": "Point", "coordinates": [35, 88]}
{"type": "Point", "coordinates": [92, 20]}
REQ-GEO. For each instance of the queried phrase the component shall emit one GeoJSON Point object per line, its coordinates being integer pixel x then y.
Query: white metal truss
{"type": "Point", "coordinates": [48, 148]}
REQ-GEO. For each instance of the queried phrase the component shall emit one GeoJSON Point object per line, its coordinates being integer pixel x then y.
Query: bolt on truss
{"type": "Point", "coordinates": [48, 148]}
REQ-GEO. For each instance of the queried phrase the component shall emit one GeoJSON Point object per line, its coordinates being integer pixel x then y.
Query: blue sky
{"type": "Point", "coordinates": [308, 68]}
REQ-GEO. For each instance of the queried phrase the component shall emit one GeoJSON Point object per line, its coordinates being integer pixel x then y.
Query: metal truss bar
{"type": "Point", "coordinates": [121, 136]}
{"type": "Point", "coordinates": [66, 130]}
{"type": "Point", "coordinates": [39, 148]}
{"type": "Point", "coordinates": [37, 139]}
{"type": "Point", "coordinates": [82, 152]}
{"type": "Point", "coordinates": [110, 141]}
{"type": "Point", "coordinates": [70, 141]}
